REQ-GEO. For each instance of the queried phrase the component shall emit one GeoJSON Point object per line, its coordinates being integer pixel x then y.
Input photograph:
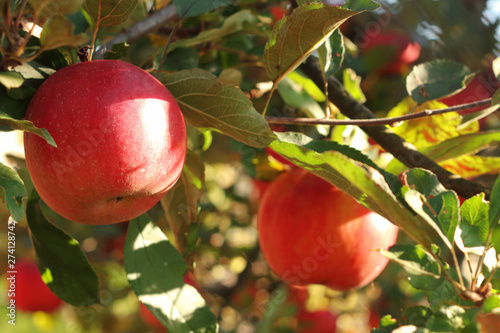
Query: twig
{"type": "Point", "coordinates": [386, 138]}
{"type": "Point", "coordinates": [141, 28]}
{"type": "Point", "coordinates": [378, 121]}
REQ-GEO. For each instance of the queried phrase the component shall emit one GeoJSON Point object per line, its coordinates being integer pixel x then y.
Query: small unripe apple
{"type": "Point", "coordinates": [312, 233]}
{"type": "Point", "coordinates": [121, 141]}
{"type": "Point", "coordinates": [31, 293]}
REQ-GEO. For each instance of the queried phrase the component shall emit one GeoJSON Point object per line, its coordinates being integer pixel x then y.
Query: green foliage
{"type": "Point", "coordinates": [12, 192]}
{"type": "Point", "coordinates": [60, 257]}
{"type": "Point", "coordinates": [158, 281]}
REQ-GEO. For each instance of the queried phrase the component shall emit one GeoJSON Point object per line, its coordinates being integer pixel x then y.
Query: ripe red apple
{"type": "Point", "coordinates": [490, 322]}
{"type": "Point", "coordinates": [404, 50]}
{"type": "Point", "coordinates": [121, 141]}
{"type": "Point", "coordinates": [311, 232]}
{"type": "Point", "coordinates": [31, 293]}
{"type": "Point", "coordinates": [316, 322]}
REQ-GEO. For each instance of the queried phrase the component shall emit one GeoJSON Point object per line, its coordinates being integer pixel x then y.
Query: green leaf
{"type": "Point", "coordinates": [110, 12]}
{"type": "Point", "coordinates": [352, 84]}
{"type": "Point", "coordinates": [11, 79]}
{"type": "Point", "coordinates": [490, 303]}
{"type": "Point", "coordinates": [445, 294]}
{"type": "Point", "coordinates": [435, 79]}
{"type": "Point", "coordinates": [60, 257]}
{"type": "Point", "coordinates": [189, 8]}
{"type": "Point", "coordinates": [58, 31]}
{"type": "Point", "coordinates": [208, 103]}
{"type": "Point", "coordinates": [296, 97]}
{"type": "Point", "coordinates": [50, 8]}
{"type": "Point", "coordinates": [296, 36]}
{"type": "Point", "coordinates": [423, 270]}
{"type": "Point", "coordinates": [496, 67]}
{"type": "Point", "coordinates": [233, 24]}
{"type": "Point", "coordinates": [387, 324]}
{"type": "Point", "coordinates": [363, 182]}
{"type": "Point", "coordinates": [474, 221]}
{"type": "Point", "coordinates": [447, 319]}
{"type": "Point", "coordinates": [331, 53]}
{"type": "Point", "coordinates": [155, 271]}
{"type": "Point", "coordinates": [440, 205]}
{"type": "Point", "coordinates": [494, 212]}
{"type": "Point", "coordinates": [12, 192]}
{"type": "Point", "coordinates": [118, 51]}
{"type": "Point", "coordinates": [181, 201]}
{"type": "Point", "coordinates": [417, 315]}
{"type": "Point", "coordinates": [360, 5]}
{"type": "Point", "coordinates": [308, 85]}
{"type": "Point", "coordinates": [496, 98]}
{"type": "Point", "coordinates": [27, 126]}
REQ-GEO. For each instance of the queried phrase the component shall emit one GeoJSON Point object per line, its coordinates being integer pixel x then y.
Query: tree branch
{"type": "Point", "coordinates": [377, 121]}
{"type": "Point", "coordinates": [141, 28]}
{"type": "Point", "coordinates": [385, 137]}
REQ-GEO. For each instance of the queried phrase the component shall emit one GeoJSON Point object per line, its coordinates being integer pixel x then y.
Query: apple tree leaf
{"type": "Point", "coordinates": [472, 165]}
{"type": "Point", "coordinates": [58, 31]}
{"type": "Point", "coordinates": [352, 84]}
{"type": "Point", "coordinates": [495, 65]}
{"type": "Point", "coordinates": [180, 203]}
{"type": "Point", "coordinates": [155, 270]}
{"type": "Point", "coordinates": [360, 5]}
{"type": "Point", "coordinates": [298, 35]}
{"type": "Point", "coordinates": [440, 204]}
{"type": "Point", "coordinates": [422, 268]}
{"type": "Point", "coordinates": [237, 22]}
{"type": "Point", "coordinates": [435, 79]}
{"type": "Point", "coordinates": [208, 103]}
{"type": "Point", "coordinates": [105, 13]}
{"type": "Point", "coordinates": [331, 53]}
{"type": "Point", "coordinates": [495, 99]}
{"type": "Point", "coordinates": [494, 211]}
{"type": "Point", "coordinates": [26, 126]}
{"type": "Point", "coordinates": [11, 79]}
{"type": "Point", "coordinates": [12, 192]}
{"type": "Point", "coordinates": [474, 221]}
{"type": "Point", "coordinates": [189, 8]}
{"type": "Point", "coordinates": [118, 51]}
{"type": "Point", "coordinates": [64, 266]}
{"type": "Point", "coordinates": [363, 182]}
{"type": "Point", "coordinates": [48, 8]}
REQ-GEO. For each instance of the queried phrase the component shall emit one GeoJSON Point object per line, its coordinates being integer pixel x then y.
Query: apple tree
{"type": "Point", "coordinates": [220, 165]}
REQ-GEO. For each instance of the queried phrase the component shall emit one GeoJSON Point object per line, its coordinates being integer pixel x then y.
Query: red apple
{"type": "Point", "coordinates": [121, 141]}
{"type": "Point", "coordinates": [311, 232]}
{"type": "Point", "coordinates": [490, 322]}
{"type": "Point", "coordinates": [404, 50]}
{"type": "Point", "coordinates": [278, 13]}
{"type": "Point", "coordinates": [31, 293]}
{"type": "Point", "coordinates": [316, 322]}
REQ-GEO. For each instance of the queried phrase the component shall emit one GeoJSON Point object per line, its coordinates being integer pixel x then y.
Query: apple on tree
{"type": "Point", "coordinates": [312, 233]}
{"type": "Point", "coordinates": [31, 293]}
{"type": "Point", "coordinates": [121, 141]}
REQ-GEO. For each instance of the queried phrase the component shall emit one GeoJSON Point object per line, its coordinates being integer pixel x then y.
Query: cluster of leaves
{"type": "Point", "coordinates": [156, 264]}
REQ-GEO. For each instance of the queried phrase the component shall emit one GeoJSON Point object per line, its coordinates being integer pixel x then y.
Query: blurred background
{"type": "Point", "coordinates": [381, 48]}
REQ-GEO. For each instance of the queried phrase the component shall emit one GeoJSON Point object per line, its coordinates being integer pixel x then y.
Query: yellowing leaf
{"type": "Point", "coordinates": [58, 31]}
{"type": "Point", "coordinates": [427, 131]}
{"type": "Point", "coordinates": [472, 165]}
